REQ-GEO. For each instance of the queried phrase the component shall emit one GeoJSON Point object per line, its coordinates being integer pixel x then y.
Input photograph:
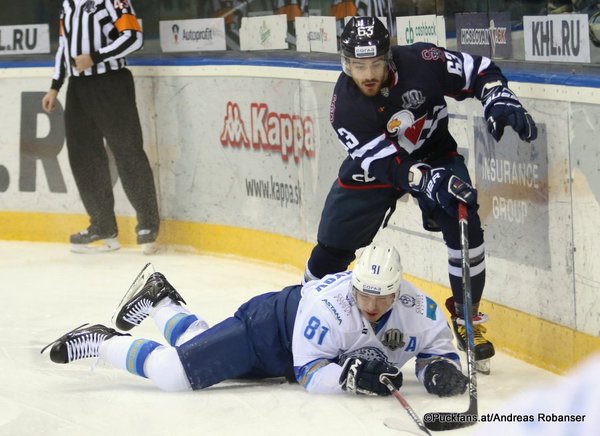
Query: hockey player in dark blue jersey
{"type": "Point", "coordinates": [389, 112]}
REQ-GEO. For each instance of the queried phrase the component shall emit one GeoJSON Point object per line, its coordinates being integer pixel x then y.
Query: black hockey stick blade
{"type": "Point", "coordinates": [387, 382]}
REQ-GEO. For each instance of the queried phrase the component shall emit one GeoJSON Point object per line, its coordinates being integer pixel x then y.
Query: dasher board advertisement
{"type": "Point", "coordinates": [264, 33]}
{"type": "Point", "coordinates": [557, 38]}
{"type": "Point", "coordinates": [192, 35]}
{"type": "Point", "coordinates": [24, 39]}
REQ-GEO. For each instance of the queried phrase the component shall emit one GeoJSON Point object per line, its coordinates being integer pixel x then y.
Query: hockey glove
{"type": "Point", "coordinates": [444, 379]}
{"type": "Point", "coordinates": [501, 108]}
{"type": "Point", "coordinates": [362, 377]}
{"type": "Point", "coordinates": [442, 186]}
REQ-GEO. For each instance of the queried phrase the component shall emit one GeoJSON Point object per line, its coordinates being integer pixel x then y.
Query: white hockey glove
{"type": "Point", "coordinates": [362, 377]}
{"type": "Point", "coordinates": [501, 107]}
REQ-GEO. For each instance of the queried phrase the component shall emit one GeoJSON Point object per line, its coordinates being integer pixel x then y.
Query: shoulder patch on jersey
{"type": "Point", "coordinates": [407, 300]}
{"type": "Point", "coordinates": [433, 54]}
{"type": "Point", "coordinates": [426, 306]}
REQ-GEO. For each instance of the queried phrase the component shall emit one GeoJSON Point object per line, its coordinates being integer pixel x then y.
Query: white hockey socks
{"type": "Point", "coordinates": [177, 324]}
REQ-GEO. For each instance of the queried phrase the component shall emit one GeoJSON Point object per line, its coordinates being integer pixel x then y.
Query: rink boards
{"type": "Point", "coordinates": [244, 155]}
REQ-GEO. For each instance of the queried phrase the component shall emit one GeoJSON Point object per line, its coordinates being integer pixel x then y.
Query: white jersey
{"type": "Point", "coordinates": [329, 328]}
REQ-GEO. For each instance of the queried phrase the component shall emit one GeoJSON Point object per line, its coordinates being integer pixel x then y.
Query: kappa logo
{"type": "Point", "coordinates": [290, 135]}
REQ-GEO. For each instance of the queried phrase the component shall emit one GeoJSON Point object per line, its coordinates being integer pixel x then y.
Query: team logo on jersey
{"type": "Point", "coordinates": [412, 99]}
{"type": "Point", "coordinates": [393, 339]}
{"type": "Point", "coordinates": [385, 92]}
{"type": "Point", "coordinates": [399, 122]}
{"type": "Point", "coordinates": [403, 126]}
{"type": "Point", "coordinates": [407, 300]}
{"type": "Point", "coordinates": [90, 6]}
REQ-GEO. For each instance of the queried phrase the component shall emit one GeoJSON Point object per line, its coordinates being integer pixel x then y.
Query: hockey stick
{"type": "Point", "coordinates": [386, 381]}
{"type": "Point", "coordinates": [452, 420]}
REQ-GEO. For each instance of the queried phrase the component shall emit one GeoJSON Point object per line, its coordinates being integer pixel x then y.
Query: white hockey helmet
{"type": "Point", "coordinates": [378, 271]}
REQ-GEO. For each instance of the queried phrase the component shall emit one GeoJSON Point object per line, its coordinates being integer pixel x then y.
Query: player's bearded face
{"type": "Point", "coordinates": [373, 307]}
{"type": "Point", "coordinates": [369, 74]}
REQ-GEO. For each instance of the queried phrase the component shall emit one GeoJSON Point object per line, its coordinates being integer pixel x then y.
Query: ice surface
{"type": "Point", "coordinates": [46, 290]}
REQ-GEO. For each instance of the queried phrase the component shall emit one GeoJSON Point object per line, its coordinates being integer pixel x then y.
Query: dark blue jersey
{"type": "Point", "coordinates": [407, 121]}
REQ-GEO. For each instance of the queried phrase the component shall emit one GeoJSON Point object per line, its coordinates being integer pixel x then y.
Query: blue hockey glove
{"type": "Point", "coordinates": [444, 379]}
{"type": "Point", "coordinates": [360, 376]}
{"type": "Point", "coordinates": [501, 108]}
{"type": "Point", "coordinates": [442, 186]}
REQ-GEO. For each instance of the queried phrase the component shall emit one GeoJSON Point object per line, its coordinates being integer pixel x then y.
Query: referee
{"type": "Point", "coordinates": [94, 38]}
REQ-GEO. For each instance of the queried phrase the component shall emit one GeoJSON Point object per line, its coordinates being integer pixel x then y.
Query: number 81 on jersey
{"type": "Point", "coordinates": [314, 328]}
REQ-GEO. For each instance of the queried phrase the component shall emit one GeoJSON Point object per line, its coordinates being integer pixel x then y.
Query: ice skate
{"type": "Point", "coordinates": [92, 240]}
{"type": "Point", "coordinates": [146, 239]}
{"type": "Point", "coordinates": [80, 343]}
{"type": "Point", "coordinates": [484, 349]}
{"type": "Point", "coordinates": [146, 291]}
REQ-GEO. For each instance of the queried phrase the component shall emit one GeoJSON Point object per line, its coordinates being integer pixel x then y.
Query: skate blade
{"type": "Point", "coordinates": [101, 246]}
{"type": "Point", "coordinates": [150, 248]}
{"type": "Point", "coordinates": [136, 286]}
{"type": "Point", "coordinates": [483, 366]}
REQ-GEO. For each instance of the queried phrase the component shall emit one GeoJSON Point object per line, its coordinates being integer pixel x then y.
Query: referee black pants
{"type": "Point", "coordinates": [103, 107]}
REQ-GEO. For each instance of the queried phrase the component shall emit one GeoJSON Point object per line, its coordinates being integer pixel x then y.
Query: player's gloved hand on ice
{"type": "Point", "coordinates": [444, 379]}
{"type": "Point", "coordinates": [442, 186]}
{"type": "Point", "coordinates": [502, 108]}
{"type": "Point", "coordinates": [361, 376]}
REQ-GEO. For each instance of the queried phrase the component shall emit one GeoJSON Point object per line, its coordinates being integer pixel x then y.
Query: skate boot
{"type": "Point", "coordinates": [92, 240]}
{"type": "Point", "coordinates": [137, 302]}
{"type": "Point", "coordinates": [80, 343]}
{"type": "Point", "coordinates": [484, 349]}
{"type": "Point", "coordinates": [146, 238]}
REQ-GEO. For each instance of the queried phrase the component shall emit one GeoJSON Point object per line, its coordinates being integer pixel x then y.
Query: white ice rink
{"type": "Point", "coordinates": [46, 291]}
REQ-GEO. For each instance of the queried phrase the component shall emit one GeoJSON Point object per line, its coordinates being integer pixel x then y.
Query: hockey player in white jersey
{"type": "Point", "coordinates": [351, 327]}
{"type": "Point", "coordinates": [334, 335]}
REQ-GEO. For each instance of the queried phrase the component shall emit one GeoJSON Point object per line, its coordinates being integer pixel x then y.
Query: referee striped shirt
{"type": "Point", "coordinates": [107, 30]}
